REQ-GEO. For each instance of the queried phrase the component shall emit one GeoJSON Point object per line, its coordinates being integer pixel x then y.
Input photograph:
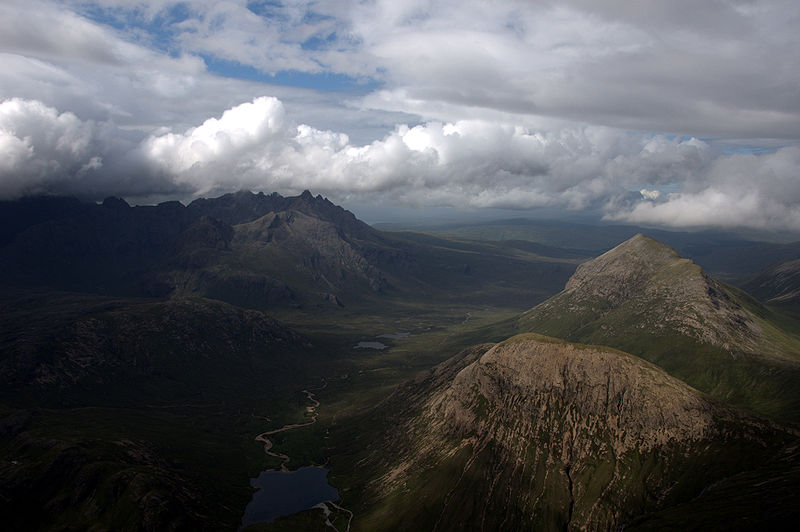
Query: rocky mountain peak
{"type": "Point", "coordinates": [245, 206]}
{"type": "Point", "coordinates": [624, 269]}
{"type": "Point", "coordinates": [590, 392]}
{"type": "Point", "coordinates": [112, 202]}
{"type": "Point", "coordinates": [645, 285]}
{"type": "Point", "coordinates": [585, 437]}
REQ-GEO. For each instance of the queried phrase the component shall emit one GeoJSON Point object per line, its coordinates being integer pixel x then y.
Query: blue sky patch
{"type": "Point", "coordinates": [157, 33]}
{"type": "Point", "coordinates": [324, 81]}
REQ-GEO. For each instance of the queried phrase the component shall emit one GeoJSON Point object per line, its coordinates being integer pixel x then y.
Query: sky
{"type": "Point", "coordinates": [673, 113]}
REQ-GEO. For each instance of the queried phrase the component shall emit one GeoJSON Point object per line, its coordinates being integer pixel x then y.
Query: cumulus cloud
{"type": "Point", "coordinates": [42, 147]}
{"type": "Point", "coordinates": [242, 130]}
{"type": "Point", "coordinates": [463, 163]}
{"type": "Point", "coordinates": [466, 163]}
{"type": "Point", "coordinates": [46, 151]}
{"type": "Point", "coordinates": [737, 190]}
{"type": "Point", "coordinates": [470, 163]}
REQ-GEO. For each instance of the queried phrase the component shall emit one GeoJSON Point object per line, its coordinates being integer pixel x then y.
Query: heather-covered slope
{"type": "Point", "coordinates": [536, 433]}
{"type": "Point", "coordinates": [642, 297]}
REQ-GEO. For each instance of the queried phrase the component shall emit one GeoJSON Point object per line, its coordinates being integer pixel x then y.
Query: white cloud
{"type": "Point", "coordinates": [738, 190]}
{"type": "Point", "coordinates": [470, 163]}
{"type": "Point", "coordinates": [724, 68]}
{"type": "Point", "coordinates": [241, 131]}
{"type": "Point", "coordinates": [650, 194]}
{"type": "Point", "coordinates": [510, 104]}
{"type": "Point", "coordinates": [41, 146]}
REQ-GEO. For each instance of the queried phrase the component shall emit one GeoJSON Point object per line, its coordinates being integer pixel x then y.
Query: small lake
{"type": "Point", "coordinates": [370, 345]}
{"type": "Point", "coordinates": [286, 493]}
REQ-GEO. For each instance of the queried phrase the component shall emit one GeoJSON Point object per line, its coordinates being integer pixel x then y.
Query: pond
{"type": "Point", "coordinates": [286, 493]}
{"type": "Point", "coordinates": [370, 345]}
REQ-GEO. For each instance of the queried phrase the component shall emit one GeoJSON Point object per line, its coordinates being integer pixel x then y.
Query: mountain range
{"type": "Point", "coordinates": [143, 348]}
{"type": "Point", "coordinates": [537, 432]}
{"type": "Point", "coordinates": [254, 250]}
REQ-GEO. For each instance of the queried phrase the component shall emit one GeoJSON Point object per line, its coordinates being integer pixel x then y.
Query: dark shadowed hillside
{"type": "Point", "coordinates": [779, 284]}
{"type": "Point", "coordinates": [259, 251]}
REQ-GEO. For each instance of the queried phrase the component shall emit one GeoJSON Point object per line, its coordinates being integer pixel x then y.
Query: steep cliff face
{"type": "Point", "coordinates": [643, 298]}
{"type": "Point", "coordinates": [546, 435]}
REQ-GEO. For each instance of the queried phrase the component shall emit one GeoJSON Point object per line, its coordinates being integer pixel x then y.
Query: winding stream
{"type": "Point", "coordinates": [268, 444]}
{"type": "Point", "coordinates": [283, 492]}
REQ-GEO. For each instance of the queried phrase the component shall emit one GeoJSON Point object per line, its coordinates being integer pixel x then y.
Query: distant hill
{"type": "Point", "coordinates": [643, 298]}
{"type": "Point", "coordinates": [258, 251]}
{"type": "Point", "coordinates": [779, 284]}
{"type": "Point", "coordinates": [540, 434]}
{"type": "Point", "coordinates": [723, 253]}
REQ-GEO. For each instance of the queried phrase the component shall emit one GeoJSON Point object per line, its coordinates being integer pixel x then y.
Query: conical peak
{"type": "Point", "coordinates": [628, 266]}
{"type": "Point", "coordinates": [637, 253]}
{"type": "Point", "coordinates": [643, 245]}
